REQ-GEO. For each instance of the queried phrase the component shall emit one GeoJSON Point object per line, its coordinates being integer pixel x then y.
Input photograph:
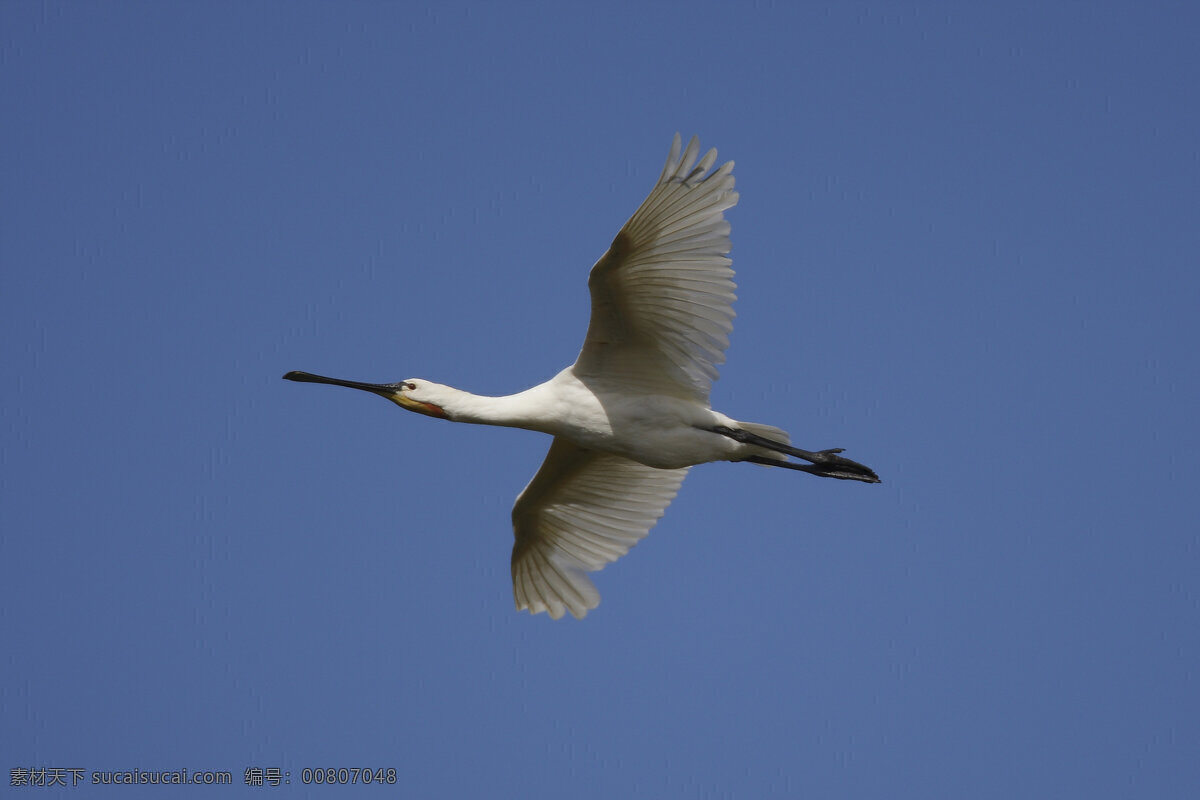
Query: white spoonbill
{"type": "Point", "coordinates": [631, 415]}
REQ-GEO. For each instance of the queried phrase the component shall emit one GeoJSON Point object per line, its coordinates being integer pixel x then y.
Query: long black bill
{"type": "Point", "coordinates": [385, 389]}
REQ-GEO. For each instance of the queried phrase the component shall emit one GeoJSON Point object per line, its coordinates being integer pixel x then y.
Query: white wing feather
{"type": "Point", "coordinates": [581, 511]}
{"type": "Point", "coordinates": [662, 296]}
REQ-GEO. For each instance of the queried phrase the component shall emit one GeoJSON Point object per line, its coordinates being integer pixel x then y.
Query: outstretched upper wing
{"type": "Point", "coordinates": [581, 510]}
{"type": "Point", "coordinates": [662, 296]}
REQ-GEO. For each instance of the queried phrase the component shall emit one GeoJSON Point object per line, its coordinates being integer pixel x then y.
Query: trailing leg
{"type": "Point", "coordinates": [826, 463]}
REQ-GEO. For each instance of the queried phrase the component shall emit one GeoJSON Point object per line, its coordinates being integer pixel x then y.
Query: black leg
{"type": "Point", "coordinates": [826, 463]}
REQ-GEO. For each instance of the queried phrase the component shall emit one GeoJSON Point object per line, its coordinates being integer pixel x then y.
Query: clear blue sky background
{"type": "Point", "coordinates": [967, 252]}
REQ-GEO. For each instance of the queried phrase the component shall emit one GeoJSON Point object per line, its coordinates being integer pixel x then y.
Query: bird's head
{"type": "Point", "coordinates": [421, 396]}
{"type": "Point", "coordinates": [414, 394]}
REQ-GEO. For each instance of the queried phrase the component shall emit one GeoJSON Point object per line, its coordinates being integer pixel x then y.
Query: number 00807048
{"type": "Point", "coordinates": [348, 775]}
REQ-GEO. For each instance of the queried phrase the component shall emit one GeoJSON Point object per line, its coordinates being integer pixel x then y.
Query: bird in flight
{"type": "Point", "coordinates": [632, 414]}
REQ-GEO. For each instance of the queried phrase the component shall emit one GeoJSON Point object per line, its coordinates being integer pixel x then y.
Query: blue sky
{"type": "Point", "coordinates": [966, 252]}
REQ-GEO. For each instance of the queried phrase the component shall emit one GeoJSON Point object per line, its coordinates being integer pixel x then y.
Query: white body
{"type": "Point", "coordinates": [657, 430]}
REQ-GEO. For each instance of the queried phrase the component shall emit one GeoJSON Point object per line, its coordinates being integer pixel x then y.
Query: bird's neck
{"type": "Point", "coordinates": [512, 410]}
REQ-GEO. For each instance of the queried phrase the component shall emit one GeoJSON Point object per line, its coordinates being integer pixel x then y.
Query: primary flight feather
{"type": "Point", "coordinates": [632, 414]}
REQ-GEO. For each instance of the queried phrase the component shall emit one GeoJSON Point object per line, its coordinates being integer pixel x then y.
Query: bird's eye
{"type": "Point", "coordinates": [409, 386]}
